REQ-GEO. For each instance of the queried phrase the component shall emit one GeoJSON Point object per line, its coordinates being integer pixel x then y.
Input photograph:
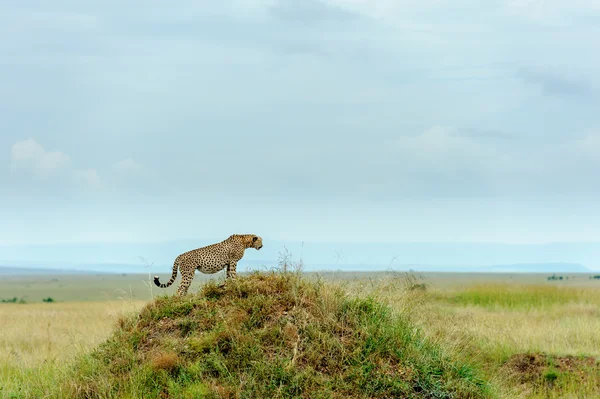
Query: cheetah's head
{"type": "Point", "coordinates": [256, 242]}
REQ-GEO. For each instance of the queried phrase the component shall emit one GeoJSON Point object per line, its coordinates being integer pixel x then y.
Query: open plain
{"type": "Point", "coordinates": [530, 336]}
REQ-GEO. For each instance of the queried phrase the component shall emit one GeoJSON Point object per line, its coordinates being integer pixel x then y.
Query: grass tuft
{"type": "Point", "coordinates": [165, 361]}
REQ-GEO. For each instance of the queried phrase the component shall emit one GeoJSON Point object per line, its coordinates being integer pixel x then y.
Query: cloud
{"type": "Point", "coordinates": [356, 96]}
{"type": "Point", "coordinates": [558, 84]}
{"type": "Point", "coordinates": [441, 162]}
{"type": "Point", "coordinates": [56, 166]}
{"type": "Point", "coordinates": [589, 145]}
{"type": "Point", "coordinates": [87, 178]}
{"type": "Point", "coordinates": [30, 155]}
{"type": "Point", "coordinates": [438, 162]}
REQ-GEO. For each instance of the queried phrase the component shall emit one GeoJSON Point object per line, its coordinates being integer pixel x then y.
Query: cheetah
{"type": "Point", "coordinates": [211, 259]}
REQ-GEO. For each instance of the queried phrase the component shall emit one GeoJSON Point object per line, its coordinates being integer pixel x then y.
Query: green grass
{"type": "Point", "coordinates": [521, 296]}
{"type": "Point", "coordinates": [270, 335]}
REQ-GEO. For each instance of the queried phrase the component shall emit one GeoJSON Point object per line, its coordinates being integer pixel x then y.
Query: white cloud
{"type": "Point", "coordinates": [443, 161]}
{"type": "Point", "coordinates": [589, 145]}
{"type": "Point", "coordinates": [30, 155]}
{"type": "Point", "coordinates": [87, 178]}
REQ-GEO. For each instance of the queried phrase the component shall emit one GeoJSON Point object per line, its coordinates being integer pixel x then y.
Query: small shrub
{"type": "Point", "coordinates": [550, 375]}
{"type": "Point", "coordinates": [48, 300]}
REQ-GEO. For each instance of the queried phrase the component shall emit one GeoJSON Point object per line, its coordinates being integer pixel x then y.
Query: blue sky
{"type": "Point", "coordinates": [339, 120]}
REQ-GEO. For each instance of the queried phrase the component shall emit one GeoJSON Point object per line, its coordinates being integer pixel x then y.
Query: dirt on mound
{"type": "Point", "coordinates": [542, 368]}
{"type": "Point", "coordinates": [270, 336]}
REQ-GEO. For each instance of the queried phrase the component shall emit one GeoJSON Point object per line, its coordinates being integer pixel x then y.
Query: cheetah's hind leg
{"type": "Point", "coordinates": [186, 281]}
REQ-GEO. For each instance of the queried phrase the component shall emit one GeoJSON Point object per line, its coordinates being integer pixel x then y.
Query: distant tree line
{"type": "Point", "coordinates": [21, 300]}
{"type": "Point", "coordinates": [555, 277]}
{"type": "Point", "coordinates": [12, 300]}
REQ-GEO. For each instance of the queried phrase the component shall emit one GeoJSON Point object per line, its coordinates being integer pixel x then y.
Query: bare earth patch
{"type": "Point", "coordinates": [539, 368]}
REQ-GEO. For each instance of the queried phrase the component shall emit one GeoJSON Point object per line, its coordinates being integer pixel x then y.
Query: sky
{"type": "Point", "coordinates": [322, 120]}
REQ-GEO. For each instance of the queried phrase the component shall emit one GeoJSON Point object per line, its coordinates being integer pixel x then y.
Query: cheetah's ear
{"type": "Point", "coordinates": [254, 238]}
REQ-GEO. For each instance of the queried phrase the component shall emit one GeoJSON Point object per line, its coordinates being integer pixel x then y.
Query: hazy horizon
{"type": "Point", "coordinates": [363, 256]}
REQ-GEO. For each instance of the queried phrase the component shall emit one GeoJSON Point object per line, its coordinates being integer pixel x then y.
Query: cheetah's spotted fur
{"type": "Point", "coordinates": [211, 259]}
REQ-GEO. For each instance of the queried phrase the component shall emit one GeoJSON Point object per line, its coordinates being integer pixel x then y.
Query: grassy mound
{"type": "Point", "coordinates": [270, 336]}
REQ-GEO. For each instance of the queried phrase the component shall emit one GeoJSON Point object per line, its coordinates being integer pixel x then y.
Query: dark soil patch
{"type": "Point", "coordinates": [541, 368]}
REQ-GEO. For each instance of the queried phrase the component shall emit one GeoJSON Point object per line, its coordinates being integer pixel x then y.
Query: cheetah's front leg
{"type": "Point", "coordinates": [231, 272]}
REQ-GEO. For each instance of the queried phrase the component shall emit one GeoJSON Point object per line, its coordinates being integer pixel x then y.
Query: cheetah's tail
{"type": "Point", "coordinates": [171, 281]}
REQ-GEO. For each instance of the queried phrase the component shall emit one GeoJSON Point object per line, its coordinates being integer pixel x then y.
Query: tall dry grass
{"type": "Point", "coordinates": [517, 318]}
{"type": "Point", "coordinates": [37, 340]}
{"type": "Point", "coordinates": [488, 322]}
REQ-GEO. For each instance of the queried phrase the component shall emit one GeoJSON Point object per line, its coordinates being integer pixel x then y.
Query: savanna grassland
{"type": "Point", "coordinates": [508, 335]}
